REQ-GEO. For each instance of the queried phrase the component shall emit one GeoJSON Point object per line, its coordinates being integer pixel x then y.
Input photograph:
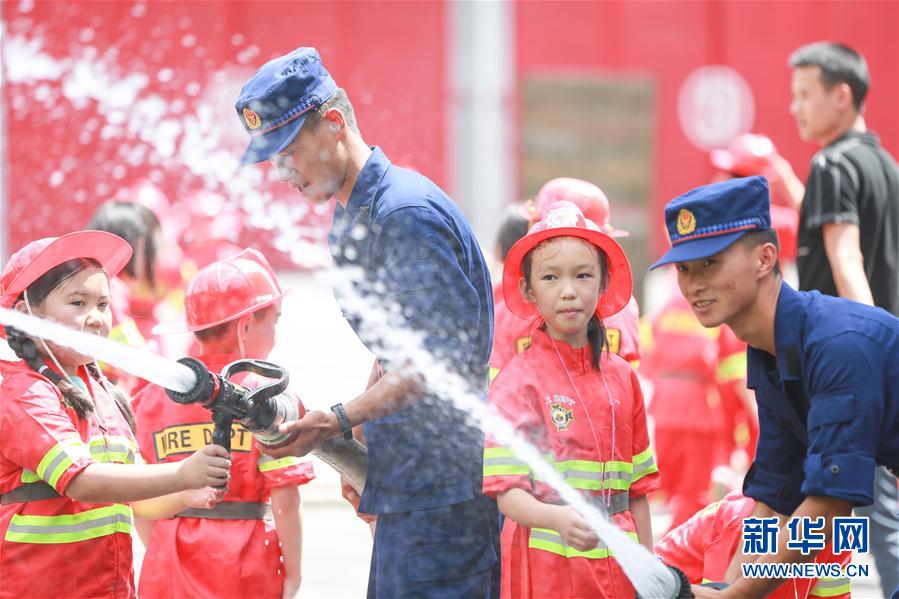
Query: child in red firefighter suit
{"type": "Point", "coordinates": [70, 471]}
{"type": "Point", "coordinates": [578, 404]}
{"type": "Point", "coordinates": [511, 333]}
{"type": "Point", "coordinates": [244, 546]}
{"type": "Point", "coordinates": [703, 546]}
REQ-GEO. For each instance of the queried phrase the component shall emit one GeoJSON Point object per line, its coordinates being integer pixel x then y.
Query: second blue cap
{"type": "Point", "coordinates": [709, 219]}
{"type": "Point", "coordinates": [274, 103]}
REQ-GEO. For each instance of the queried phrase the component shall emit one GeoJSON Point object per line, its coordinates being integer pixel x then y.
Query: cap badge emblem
{"type": "Point", "coordinates": [686, 222]}
{"type": "Point", "coordinates": [252, 119]}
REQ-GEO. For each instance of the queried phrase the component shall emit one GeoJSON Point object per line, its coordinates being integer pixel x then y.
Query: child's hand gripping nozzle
{"type": "Point", "coordinates": [262, 410]}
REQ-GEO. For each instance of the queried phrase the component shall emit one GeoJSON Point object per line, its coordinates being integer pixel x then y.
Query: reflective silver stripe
{"type": "Point", "coordinates": [50, 470]}
{"type": "Point", "coordinates": [107, 449]}
{"type": "Point", "coordinates": [644, 467]}
{"type": "Point", "coordinates": [503, 462]}
{"type": "Point", "coordinates": [588, 475]}
{"type": "Point", "coordinates": [104, 453]}
{"type": "Point", "coordinates": [549, 536]}
{"type": "Point", "coordinates": [831, 583]}
{"type": "Point", "coordinates": [69, 528]}
{"type": "Point", "coordinates": [556, 538]}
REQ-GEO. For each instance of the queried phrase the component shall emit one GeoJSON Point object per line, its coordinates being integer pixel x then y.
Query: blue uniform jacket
{"type": "Point", "coordinates": [417, 253]}
{"type": "Point", "coordinates": [828, 404]}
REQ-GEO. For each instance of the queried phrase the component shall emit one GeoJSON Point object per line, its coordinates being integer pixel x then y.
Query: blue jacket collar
{"type": "Point", "coordinates": [368, 182]}
{"type": "Point", "coordinates": [789, 321]}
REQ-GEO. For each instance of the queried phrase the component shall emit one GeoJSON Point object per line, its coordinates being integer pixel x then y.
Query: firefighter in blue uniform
{"type": "Point", "coordinates": [825, 370]}
{"type": "Point", "coordinates": [413, 250]}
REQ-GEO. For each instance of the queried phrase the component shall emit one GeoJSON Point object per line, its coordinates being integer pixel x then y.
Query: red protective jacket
{"type": "Point", "coordinates": [60, 547]}
{"type": "Point", "coordinates": [512, 335]}
{"type": "Point", "coordinates": [201, 557]}
{"type": "Point", "coordinates": [592, 426]}
{"type": "Point", "coordinates": [704, 545]}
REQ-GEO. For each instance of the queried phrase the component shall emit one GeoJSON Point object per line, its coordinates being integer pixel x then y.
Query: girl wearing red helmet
{"type": "Point", "coordinates": [69, 465]}
{"type": "Point", "coordinates": [232, 307]}
{"type": "Point", "coordinates": [580, 405]}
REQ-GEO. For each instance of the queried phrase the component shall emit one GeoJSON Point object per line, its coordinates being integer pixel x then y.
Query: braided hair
{"type": "Point", "coordinates": [26, 349]}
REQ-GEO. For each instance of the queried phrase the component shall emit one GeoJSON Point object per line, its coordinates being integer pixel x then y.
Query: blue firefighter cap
{"type": "Point", "coordinates": [274, 103]}
{"type": "Point", "coordinates": [709, 219]}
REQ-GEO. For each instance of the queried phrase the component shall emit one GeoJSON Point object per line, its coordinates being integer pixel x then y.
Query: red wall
{"type": "Point", "coordinates": [668, 40]}
{"type": "Point", "coordinates": [388, 55]}
{"type": "Point", "coordinates": [392, 57]}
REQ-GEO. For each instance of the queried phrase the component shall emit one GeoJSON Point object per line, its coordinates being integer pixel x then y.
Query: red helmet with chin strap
{"type": "Point", "coordinates": [591, 200]}
{"type": "Point", "coordinates": [225, 291]}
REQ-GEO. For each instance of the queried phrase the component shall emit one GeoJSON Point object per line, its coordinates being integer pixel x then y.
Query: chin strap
{"type": "Point", "coordinates": [240, 344]}
{"type": "Point", "coordinates": [44, 343]}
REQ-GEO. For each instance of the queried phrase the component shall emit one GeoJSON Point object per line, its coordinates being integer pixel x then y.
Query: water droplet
{"type": "Point", "coordinates": [359, 231]}
{"type": "Point", "coordinates": [138, 10]}
{"type": "Point", "coordinates": [237, 39]}
{"type": "Point", "coordinates": [87, 35]}
{"type": "Point", "coordinates": [56, 179]}
{"type": "Point", "coordinates": [165, 75]}
{"type": "Point", "coordinates": [189, 40]}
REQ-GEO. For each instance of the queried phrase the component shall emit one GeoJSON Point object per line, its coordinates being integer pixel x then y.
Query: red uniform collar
{"type": "Point", "coordinates": [576, 361]}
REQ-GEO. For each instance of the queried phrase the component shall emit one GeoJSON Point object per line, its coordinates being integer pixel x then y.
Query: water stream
{"type": "Point", "coordinates": [400, 345]}
{"type": "Point", "coordinates": [146, 365]}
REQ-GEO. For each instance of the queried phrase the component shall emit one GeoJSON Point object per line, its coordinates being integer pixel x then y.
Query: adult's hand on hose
{"type": "Point", "coordinates": [313, 429]}
{"type": "Point", "coordinates": [350, 494]}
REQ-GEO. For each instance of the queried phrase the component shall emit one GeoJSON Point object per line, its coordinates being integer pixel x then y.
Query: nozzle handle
{"type": "Point", "coordinates": [221, 433]}
{"type": "Point", "coordinates": [262, 368]}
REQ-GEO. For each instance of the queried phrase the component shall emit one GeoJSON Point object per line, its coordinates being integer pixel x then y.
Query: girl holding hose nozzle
{"type": "Point", "coordinates": [70, 471]}
{"type": "Point", "coordinates": [579, 404]}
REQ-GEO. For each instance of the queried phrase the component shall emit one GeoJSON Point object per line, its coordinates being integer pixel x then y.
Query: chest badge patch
{"type": "Point", "coordinates": [561, 416]}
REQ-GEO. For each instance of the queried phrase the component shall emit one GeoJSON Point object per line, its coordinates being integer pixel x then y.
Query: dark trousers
{"type": "Point", "coordinates": [883, 522]}
{"type": "Point", "coordinates": [445, 552]}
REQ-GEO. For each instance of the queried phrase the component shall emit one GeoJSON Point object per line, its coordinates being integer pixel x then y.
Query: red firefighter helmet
{"type": "Point", "coordinates": [225, 291]}
{"type": "Point", "coordinates": [585, 195]}
{"type": "Point", "coordinates": [31, 262]}
{"type": "Point", "coordinates": [564, 219]}
{"type": "Point", "coordinates": [747, 155]}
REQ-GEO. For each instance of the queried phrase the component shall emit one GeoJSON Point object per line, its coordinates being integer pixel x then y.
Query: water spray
{"type": "Point", "coordinates": [189, 381]}
{"type": "Point", "coordinates": [397, 344]}
{"type": "Point", "coordinates": [141, 363]}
